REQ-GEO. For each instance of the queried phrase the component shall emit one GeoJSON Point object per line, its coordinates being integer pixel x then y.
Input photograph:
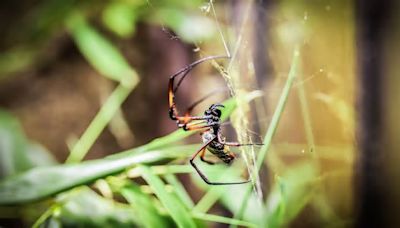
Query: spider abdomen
{"type": "Point", "coordinates": [221, 151]}
{"type": "Point", "coordinates": [218, 149]}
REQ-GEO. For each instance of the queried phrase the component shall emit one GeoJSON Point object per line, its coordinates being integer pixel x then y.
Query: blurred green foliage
{"type": "Point", "coordinates": [33, 185]}
{"type": "Point", "coordinates": [46, 21]}
{"type": "Point", "coordinates": [17, 153]}
{"type": "Point", "coordinates": [85, 208]}
{"type": "Point", "coordinates": [29, 174]}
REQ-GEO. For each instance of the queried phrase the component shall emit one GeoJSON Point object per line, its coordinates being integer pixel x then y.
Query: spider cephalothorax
{"type": "Point", "coordinates": [209, 125]}
{"type": "Point", "coordinates": [214, 110]}
{"type": "Point", "coordinates": [213, 114]}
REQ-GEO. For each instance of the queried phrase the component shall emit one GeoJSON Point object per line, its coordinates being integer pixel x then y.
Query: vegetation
{"type": "Point", "coordinates": [147, 185]}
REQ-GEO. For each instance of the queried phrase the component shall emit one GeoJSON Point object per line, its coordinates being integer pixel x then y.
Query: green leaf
{"type": "Point", "coordinates": [85, 208]}
{"type": "Point", "coordinates": [43, 182]}
{"type": "Point", "coordinates": [12, 146]}
{"type": "Point", "coordinates": [190, 27]}
{"type": "Point", "coordinates": [291, 193]}
{"type": "Point", "coordinates": [221, 219]}
{"type": "Point", "coordinates": [179, 190]}
{"type": "Point", "coordinates": [120, 17]}
{"type": "Point", "coordinates": [108, 61]}
{"type": "Point", "coordinates": [178, 135]}
{"type": "Point", "coordinates": [101, 53]}
{"type": "Point", "coordinates": [231, 196]}
{"type": "Point", "coordinates": [39, 156]}
{"type": "Point", "coordinates": [171, 203]}
{"type": "Point", "coordinates": [144, 207]}
{"type": "Point", "coordinates": [280, 107]}
{"type": "Point", "coordinates": [17, 154]}
{"type": "Point", "coordinates": [33, 185]}
{"type": "Point", "coordinates": [100, 121]}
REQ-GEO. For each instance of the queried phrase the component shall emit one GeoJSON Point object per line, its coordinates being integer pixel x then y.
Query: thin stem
{"type": "Point", "coordinates": [180, 190]}
{"type": "Point", "coordinates": [279, 110]}
{"type": "Point", "coordinates": [221, 219]}
{"type": "Point", "coordinates": [219, 29]}
{"type": "Point", "coordinates": [273, 125]}
{"type": "Point", "coordinates": [99, 122]}
{"type": "Point", "coordinates": [47, 214]}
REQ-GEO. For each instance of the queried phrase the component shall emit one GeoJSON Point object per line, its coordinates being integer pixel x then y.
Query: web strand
{"type": "Point", "coordinates": [234, 83]}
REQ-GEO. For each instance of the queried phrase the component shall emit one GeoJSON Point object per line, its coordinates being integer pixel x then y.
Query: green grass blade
{"type": "Point", "coordinates": [274, 124]}
{"type": "Point", "coordinates": [100, 53]}
{"type": "Point", "coordinates": [231, 196]}
{"type": "Point", "coordinates": [12, 146]}
{"type": "Point", "coordinates": [278, 110]}
{"type": "Point", "coordinates": [171, 203]}
{"type": "Point", "coordinates": [209, 199]}
{"type": "Point", "coordinates": [178, 135]}
{"type": "Point", "coordinates": [106, 59]}
{"type": "Point", "coordinates": [83, 207]}
{"type": "Point", "coordinates": [121, 18]}
{"type": "Point", "coordinates": [305, 113]}
{"type": "Point", "coordinates": [17, 153]}
{"type": "Point", "coordinates": [143, 206]}
{"type": "Point", "coordinates": [221, 219]}
{"type": "Point", "coordinates": [180, 190]}
{"type": "Point", "coordinates": [100, 121]}
{"type": "Point", "coordinates": [292, 192]}
{"type": "Point", "coordinates": [35, 184]}
{"type": "Point", "coordinates": [49, 212]}
{"type": "Point", "coordinates": [216, 173]}
{"type": "Point", "coordinates": [320, 202]}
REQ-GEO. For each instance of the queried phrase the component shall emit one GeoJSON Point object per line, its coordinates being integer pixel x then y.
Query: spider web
{"type": "Point", "coordinates": [237, 83]}
{"type": "Point", "coordinates": [240, 78]}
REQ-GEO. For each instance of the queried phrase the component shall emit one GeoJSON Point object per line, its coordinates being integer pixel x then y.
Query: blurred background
{"type": "Point", "coordinates": [315, 81]}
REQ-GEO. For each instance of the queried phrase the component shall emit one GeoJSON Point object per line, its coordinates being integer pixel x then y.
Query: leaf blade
{"type": "Point", "coordinates": [34, 184]}
{"type": "Point", "coordinates": [175, 208]}
{"type": "Point", "coordinates": [143, 206]}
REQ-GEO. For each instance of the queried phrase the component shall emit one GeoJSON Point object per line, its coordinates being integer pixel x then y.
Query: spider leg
{"type": "Point", "coordinates": [188, 68]}
{"type": "Point", "coordinates": [202, 175]}
{"type": "Point", "coordinates": [191, 107]}
{"type": "Point", "coordinates": [191, 124]}
{"type": "Point", "coordinates": [173, 112]}
{"type": "Point", "coordinates": [203, 159]}
{"type": "Point", "coordinates": [236, 144]}
{"type": "Point", "coordinates": [195, 126]}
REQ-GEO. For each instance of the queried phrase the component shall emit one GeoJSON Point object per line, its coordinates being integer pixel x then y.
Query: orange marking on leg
{"type": "Point", "coordinates": [196, 127]}
{"type": "Point", "coordinates": [202, 157]}
{"type": "Point", "coordinates": [171, 93]}
{"type": "Point", "coordinates": [171, 99]}
{"type": "Point", "coordinates": [186, 118]}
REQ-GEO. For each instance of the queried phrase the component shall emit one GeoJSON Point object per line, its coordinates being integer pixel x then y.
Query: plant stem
{"type": "Point", "coordinates": [273, 125]}
{"type": "Point", "coordinates": [99, 122]}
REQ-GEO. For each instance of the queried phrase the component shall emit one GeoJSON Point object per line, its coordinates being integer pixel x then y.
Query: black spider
{"type": "Point", "coordinates": [209, 125]}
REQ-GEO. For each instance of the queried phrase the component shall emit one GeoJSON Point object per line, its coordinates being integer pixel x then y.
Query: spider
{"type": "Point", "coordinates": [209, 125]}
